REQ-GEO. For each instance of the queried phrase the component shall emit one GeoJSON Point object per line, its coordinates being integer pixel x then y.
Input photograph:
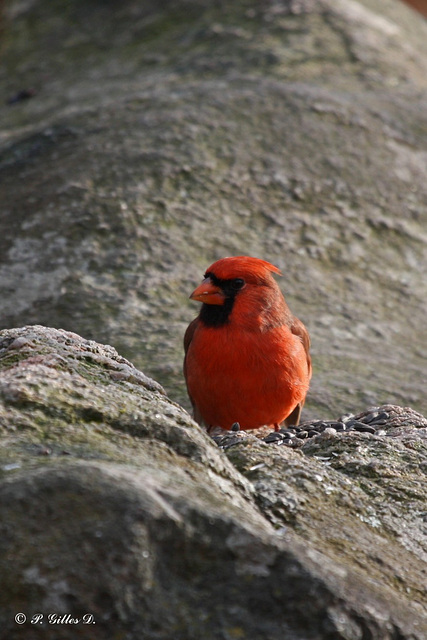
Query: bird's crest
{"type": "Point", "coordinates": [242, 267]}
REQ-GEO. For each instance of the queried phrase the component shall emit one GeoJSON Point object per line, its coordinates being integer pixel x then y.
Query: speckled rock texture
{"type": "Point", "coordinates": [115, 504]}
{"type": "Point", "coordinates": [140, 141]}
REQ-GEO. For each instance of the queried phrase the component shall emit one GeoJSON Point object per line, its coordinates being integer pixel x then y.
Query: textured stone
{"type": "Point", "coordinates": [114, 503]}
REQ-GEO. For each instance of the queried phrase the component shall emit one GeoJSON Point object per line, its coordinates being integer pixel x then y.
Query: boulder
{"type": "Point", "coordinates": [121, 518]}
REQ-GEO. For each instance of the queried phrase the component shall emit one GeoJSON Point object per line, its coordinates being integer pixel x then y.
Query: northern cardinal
{"type": "Point", "coordinates": [246, 356]}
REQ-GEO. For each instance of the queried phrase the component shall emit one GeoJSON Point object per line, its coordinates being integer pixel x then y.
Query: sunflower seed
{"type": "Point", "coordinates": [362, 427]}
{"type": "Point", "coordinates": [302, 434]}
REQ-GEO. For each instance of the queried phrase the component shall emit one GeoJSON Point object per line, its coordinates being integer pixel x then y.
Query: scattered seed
{"type": "Point", "coordinates": [302, 434]}
{"type": "Point", "coordinates": [273, 437]}
{"type": "Point", "coordinates": [338, 425]}
{"type": "Point", "coordinates": [362, 427]}
{"type": "Point", "coordinates": [342, 427]}
{"type": "Point", "coordinates": [381, 418]}
{"type": "Point", "coordinates": [370, 417]}
{"type": "Point", "coordinates": [370, 421]}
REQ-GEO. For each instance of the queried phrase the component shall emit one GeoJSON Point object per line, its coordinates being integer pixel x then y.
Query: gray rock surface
{"type": "Point", "coordinates": [161, 136]}
{"type": "Point", "coordinates": [114, 503]}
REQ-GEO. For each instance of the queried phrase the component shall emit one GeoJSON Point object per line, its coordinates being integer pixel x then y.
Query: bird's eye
{"type": "Point", "coordinates": [237, 283]}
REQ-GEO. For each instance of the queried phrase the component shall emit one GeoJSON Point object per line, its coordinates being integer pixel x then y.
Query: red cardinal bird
{"type": "Point", "coordinates": [246, 356]}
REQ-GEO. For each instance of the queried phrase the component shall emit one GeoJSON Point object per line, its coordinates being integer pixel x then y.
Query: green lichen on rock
{"type": "Point", "coordinates": [65, 396]}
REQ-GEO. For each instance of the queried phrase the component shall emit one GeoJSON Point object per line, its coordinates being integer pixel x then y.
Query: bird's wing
{"type": "Point", "coordinates": [188, 336]}
{"type": "Point", "coordinates": [298, 329]}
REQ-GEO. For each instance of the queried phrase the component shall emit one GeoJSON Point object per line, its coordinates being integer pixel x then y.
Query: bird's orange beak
{"type": "Point", "coordinates": [208, 293]}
